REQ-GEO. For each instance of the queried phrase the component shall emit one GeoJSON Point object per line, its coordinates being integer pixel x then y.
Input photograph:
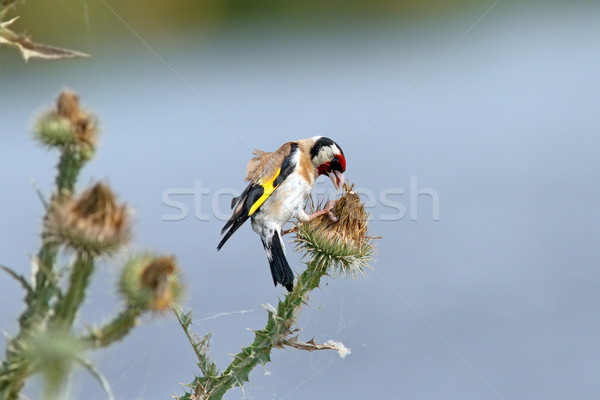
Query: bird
{"type": "Point", "coordinates": [280, 184]}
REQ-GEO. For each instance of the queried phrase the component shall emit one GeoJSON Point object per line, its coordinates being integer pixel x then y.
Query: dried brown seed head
{"type": "Point", "coordinates": [351, 226]}
{"type": "Point", "coordinates": [344, 244]}
{"type": "Point", "coordinates": [92, 222]}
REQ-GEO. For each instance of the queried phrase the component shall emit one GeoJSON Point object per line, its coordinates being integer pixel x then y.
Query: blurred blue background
{"type": "Point", "coordinates": [494, 108]}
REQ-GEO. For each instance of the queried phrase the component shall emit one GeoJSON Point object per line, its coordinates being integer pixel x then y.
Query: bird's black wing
{"type": "Point", "coordinates": [255, 194]}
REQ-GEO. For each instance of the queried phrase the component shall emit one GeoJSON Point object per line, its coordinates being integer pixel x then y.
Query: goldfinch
{"type": "Point", "coordinates": [280, 184]}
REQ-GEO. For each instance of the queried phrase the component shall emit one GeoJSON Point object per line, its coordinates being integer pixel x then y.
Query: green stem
{"type": "Point", "coordinates": [116, 329]}
{"type": "Point", "coordinates": [67, 307]}
{"type": "Point", "coordinates": [13, 372]}
{"type": "Point", "coordinates": [69, 166]}
{"type": "Point", "coordinates": [15, 368]}
{"type": "Point", "coordinates": [52, 388]}
{"type": "Point", "coordinates": [278, 328]}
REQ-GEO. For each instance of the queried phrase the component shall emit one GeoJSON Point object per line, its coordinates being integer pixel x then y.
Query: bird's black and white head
{"type": "Point", "coordinates": [328, 158]}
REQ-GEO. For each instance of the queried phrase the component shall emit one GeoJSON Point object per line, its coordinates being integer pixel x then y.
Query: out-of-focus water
{"type": "Point", "coordinates": [497, 299]}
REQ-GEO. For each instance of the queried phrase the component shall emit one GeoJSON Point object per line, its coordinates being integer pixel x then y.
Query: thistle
{"type": "Point", "coordinates": [151, 283]}
{"type": "Point", "coordinates": [68, 126]}
{"type": "Point", "coordinates": [91, 223]}
{"type": "Point", "coordinates": [74, 132]}
{"type": "Point", "coordinates": [147, 283]}
{"type": "Point", "coordinates": [343, 245]}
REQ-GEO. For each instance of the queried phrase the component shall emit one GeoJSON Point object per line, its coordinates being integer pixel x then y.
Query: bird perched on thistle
{"type": "Point", "coordinates": [280, 184]}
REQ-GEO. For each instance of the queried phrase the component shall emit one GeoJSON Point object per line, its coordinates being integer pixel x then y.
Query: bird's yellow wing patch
{"type": "Point", "coordinates": [268, 188]}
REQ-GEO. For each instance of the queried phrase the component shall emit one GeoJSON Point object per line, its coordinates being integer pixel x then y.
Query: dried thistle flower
{"type": "Point", "coordinates": [92, 222]}
{"type": "Point", "coordinates": [343, 244]}
{"type": "Point", "coordinates": [151, 283]}
{"type": "Point", "coordinates": [68, 126]}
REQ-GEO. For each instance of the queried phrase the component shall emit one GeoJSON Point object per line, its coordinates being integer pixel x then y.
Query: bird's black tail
{"type": "Point", "coordinates": [280, 269]}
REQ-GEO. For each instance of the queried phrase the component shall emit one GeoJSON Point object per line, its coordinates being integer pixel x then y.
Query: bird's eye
{"type": "Point", "coordinates": [341, 162]}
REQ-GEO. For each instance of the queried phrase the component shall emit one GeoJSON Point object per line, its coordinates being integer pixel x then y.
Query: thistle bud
{"type": "Point", "coordinates": [68, 126]}
{"type": "Point", "coordinates": [92, 222]}
{"type": "Point", "coordinates": [345, 243]}
{"type": "Point", "coordinates": [54, 131]}
{"type": "Point", "coordinates": [151, 283]}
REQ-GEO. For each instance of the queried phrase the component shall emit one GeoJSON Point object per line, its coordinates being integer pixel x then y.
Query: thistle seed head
{"type": "Point", "coordinates": [343, 245]}
{"type": "Point", "coordinates": [92, 222]}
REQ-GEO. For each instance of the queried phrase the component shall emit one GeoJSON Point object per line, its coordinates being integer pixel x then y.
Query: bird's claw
{"type": "Point", "coordinates": [329, 210]}
{"type": "Point", "coordinates": [326, 210]}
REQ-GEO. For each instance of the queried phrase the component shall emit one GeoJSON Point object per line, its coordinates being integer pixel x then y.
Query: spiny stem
{"type": "Point", "coordinates": [13, 372]}
{"type": "Point", "coordinates": [15, 368]}
{"type": "Point", "coordinates": [116, 329]}
{"type": "Point", "coordinates": [273, 335]}
{"type": "Point", "coordinates": [341, 245]}
{"type": "Point", "coordinates": [66, 309]}
{"type": "Point", "coordinates": [69, 166]}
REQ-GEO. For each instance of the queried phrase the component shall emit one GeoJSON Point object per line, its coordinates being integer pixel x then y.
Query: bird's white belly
{"type": "Point", "coordinates": [282, 205]}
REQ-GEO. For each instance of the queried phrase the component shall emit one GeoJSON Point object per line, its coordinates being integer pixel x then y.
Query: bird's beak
{"type": "Point", "coordinates": [337, 178]}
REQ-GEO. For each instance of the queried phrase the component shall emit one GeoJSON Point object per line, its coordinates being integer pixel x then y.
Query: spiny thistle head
{"type": "Point", "coordinates": [344, 244]}
{"type": "Point", "coordinates": [92, 222]}
{"type": "Point", "coordinates": [68, 126]}
{"type": "Point", "coordinates": [151, 283]}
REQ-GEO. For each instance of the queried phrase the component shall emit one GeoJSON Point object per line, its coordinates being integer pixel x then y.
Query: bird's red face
{"type": "Point", "coordinates": [329, 160]}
